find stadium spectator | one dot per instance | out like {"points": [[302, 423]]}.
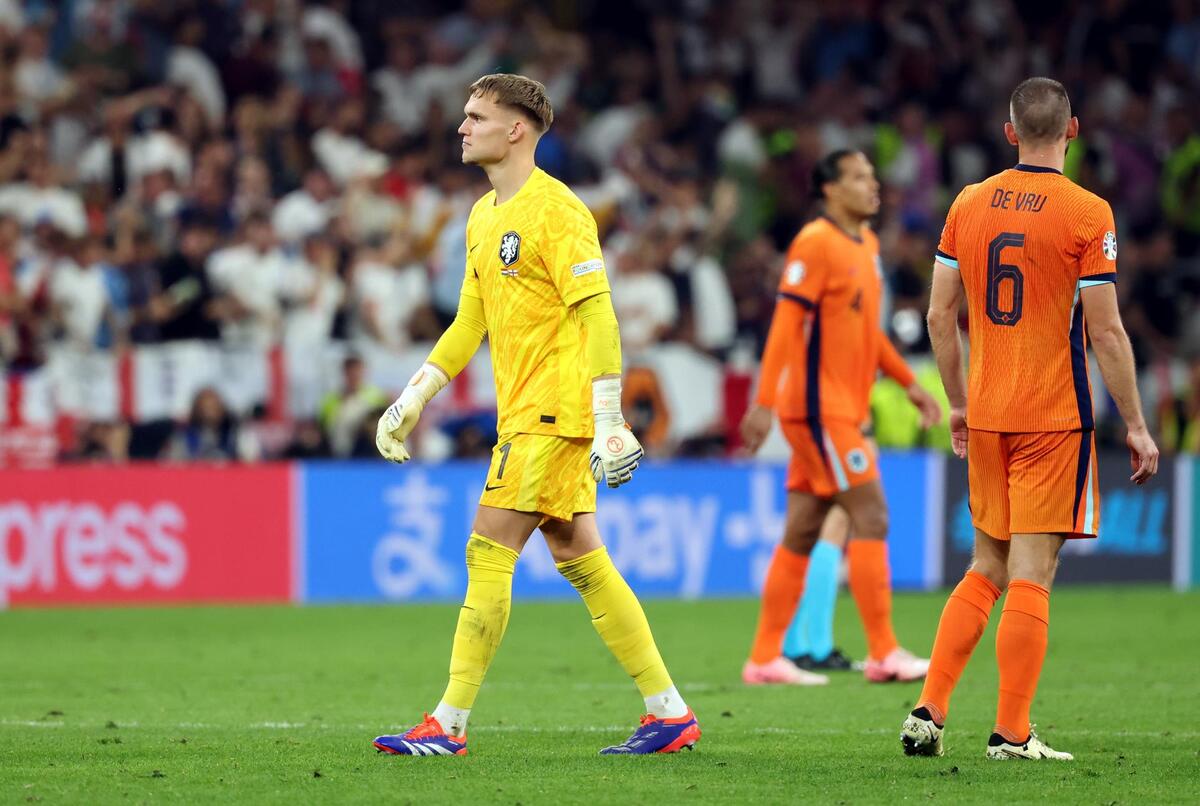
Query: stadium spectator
{"points": [[183, 305], [391, 296], [248, 278], [690, 137], [306, 210], [212, 433], [643, 297]]}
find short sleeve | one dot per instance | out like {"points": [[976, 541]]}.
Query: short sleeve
{"points": [[804, 274], [947, 250], [1098, 256], [569, 247]]}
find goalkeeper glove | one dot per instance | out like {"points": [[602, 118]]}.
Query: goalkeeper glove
{"points": [[401, 417], [615, 450]]}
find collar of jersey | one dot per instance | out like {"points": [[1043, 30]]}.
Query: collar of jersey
{"points": [[1035, 169], [834, 224], [520, 190]]}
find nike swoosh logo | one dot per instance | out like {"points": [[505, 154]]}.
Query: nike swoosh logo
{"points": [[472, 249], [487, 488]]}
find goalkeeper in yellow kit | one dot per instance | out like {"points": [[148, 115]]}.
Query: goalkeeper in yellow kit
{"points": [[536, 285]]}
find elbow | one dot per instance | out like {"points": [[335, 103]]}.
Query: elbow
{"points": [[1107, 338], [941, 321]]}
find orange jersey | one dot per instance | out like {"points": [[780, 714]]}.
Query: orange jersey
{"points": [[1025, 242], [826, 346]]}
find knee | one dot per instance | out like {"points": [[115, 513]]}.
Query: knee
{"points": [[992, 570], [871, 523], [1039, 570], [800, 540]]}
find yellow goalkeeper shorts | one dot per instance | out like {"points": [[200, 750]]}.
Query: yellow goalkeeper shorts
{"points": [[539, 473]]}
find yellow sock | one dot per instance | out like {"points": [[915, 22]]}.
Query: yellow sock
{"points": [[619, 618], [482, 620]]}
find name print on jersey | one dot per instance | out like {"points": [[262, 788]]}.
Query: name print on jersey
{"points": [[1021, 202]]}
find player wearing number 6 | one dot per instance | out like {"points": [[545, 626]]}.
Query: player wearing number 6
{"points": [[535, 283], [1035, 257]]}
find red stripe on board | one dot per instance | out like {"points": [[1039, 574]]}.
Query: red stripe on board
{"points": [[16, 395], [125, 394], [277, 389]]}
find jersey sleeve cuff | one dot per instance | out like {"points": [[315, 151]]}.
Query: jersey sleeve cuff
{"points": [[1097, 279], [946, 260], [807, 303]]}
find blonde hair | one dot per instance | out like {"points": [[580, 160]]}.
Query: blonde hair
{"points": [[523, 94]]}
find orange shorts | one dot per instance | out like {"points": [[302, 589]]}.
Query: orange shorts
{"points": [[828, 457], [1034, 483]]}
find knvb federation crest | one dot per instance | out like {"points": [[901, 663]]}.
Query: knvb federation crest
{"points": [[510, 248]]}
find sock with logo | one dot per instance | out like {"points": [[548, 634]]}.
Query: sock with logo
{"points": [[1021, 639], [871, 586], [618, 617], [964, 618], [781, 592], [481, 624]]}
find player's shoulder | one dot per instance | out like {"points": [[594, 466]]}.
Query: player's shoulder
{"points": [[1087, 203], [813, 236], [553, 191], [977, 190]]}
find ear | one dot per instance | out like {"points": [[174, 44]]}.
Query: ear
{"points": [[1010, 134], [1072, 128], [516, 130]]}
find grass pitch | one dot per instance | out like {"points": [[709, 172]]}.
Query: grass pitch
{"points": [[279, 705]]}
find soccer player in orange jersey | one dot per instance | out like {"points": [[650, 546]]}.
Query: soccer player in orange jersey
{"points": [[1035, 257], [822, 355]]}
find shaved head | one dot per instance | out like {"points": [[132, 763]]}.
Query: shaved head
{"points": [[1040, 110]]}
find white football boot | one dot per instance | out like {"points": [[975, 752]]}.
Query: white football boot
{"points": [[1000, 749]]}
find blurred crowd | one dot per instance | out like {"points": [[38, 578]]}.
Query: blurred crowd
{"points": [[251, 173]]}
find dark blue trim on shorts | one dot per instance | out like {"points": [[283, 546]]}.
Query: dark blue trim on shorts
{"points": [[1081, 472], [812, 389]]}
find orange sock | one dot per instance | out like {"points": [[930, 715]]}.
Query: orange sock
{"points": [[871, 586], [781, 592], [963, 620], [1021, 641]]}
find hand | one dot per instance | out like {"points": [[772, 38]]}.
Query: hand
{"points": [[1143, 455], [958, 432], [755, 427], [931, 410], [401, 417], [394, 427], [616, 453]]}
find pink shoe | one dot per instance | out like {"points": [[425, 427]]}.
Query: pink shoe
{"points": [[780, 671], [900, 665]]}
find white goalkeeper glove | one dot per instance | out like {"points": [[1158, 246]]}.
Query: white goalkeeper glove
{"points": [[401, 417], [615, 450]]}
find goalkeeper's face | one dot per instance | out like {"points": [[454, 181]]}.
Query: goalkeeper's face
{"points": [[488, 131]]}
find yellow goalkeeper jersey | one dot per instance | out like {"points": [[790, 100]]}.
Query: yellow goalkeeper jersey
{"points": [[530, 260]]}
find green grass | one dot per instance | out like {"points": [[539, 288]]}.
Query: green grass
{"points": [[278, 705]]}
